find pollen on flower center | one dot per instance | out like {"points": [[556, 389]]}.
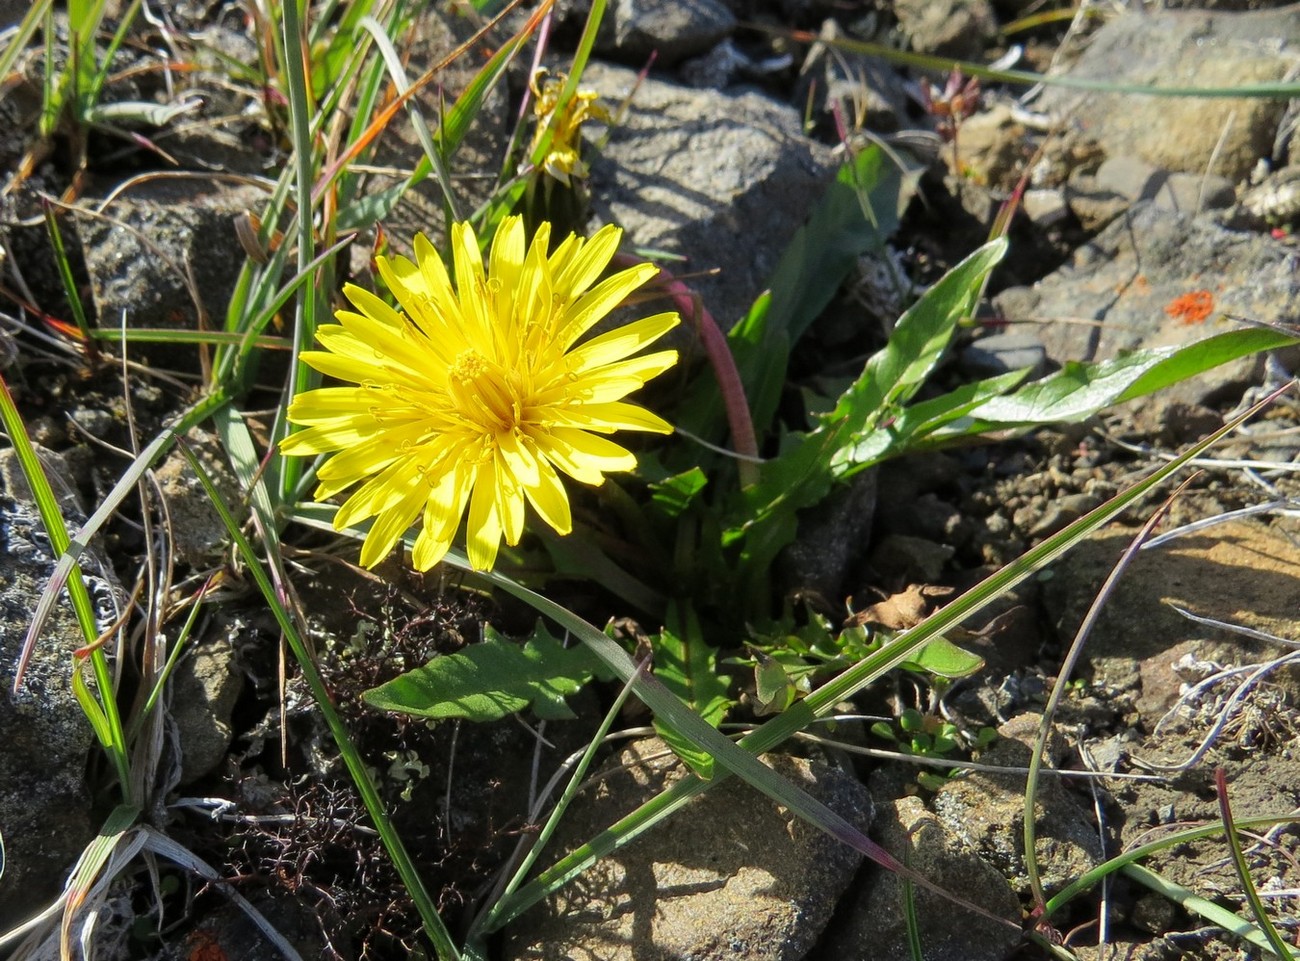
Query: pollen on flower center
{"points": [[482, 395], [468, 367]]}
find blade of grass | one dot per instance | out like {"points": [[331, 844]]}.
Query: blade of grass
{"points": [[108, 725], [1276, 91], [1248, 888], [397, 74], [23, 34], [69, 284], [300, 131], [1092, 878], [433, 924], [67, 562], [1061, 685], [1190, 901]]}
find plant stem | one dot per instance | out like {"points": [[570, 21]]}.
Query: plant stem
{"points": [[724, 368]]}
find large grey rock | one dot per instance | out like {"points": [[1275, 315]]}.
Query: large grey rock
{"points": [[723, 179], [1180, 49], [875, 928], [44, 800], [731, 876], [671, 30], [1123, 290], [987, 812], [953, 28], [156, 240], [204, 689]]}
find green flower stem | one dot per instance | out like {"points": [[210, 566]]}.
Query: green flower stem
{"points": [[433, 924], [739, 417]]}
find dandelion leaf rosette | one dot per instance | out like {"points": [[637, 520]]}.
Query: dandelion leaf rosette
{"points": [[477, 392]]}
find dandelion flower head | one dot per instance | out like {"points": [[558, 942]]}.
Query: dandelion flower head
{"points": [[477, 394], [562, 159]]}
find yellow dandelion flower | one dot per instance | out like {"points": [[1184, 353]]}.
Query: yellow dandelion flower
{"points": [[477, 392], [562, 159]]}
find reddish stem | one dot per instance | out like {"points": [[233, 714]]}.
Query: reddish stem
{"points": [[689, 305]]}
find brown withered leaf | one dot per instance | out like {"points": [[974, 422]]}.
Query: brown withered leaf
{"points": [[905, 609]]}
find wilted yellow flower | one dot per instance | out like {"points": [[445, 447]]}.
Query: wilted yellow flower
{"points": [[562, 159], [475, 395]]}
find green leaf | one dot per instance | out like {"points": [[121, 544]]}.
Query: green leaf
{"points": [[772, 688], [858, 213], [946, 659], [487, 681], [687, 665], [801, 475], [918, 421], [1079, 390], [673, 495]]}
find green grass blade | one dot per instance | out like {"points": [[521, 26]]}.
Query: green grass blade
{"points": [[1194, 903], [1174, 839], [432, 151], [23, 34], [106, 720], [67, 563], [1278, 946], [1275, 91], [433, 924]]}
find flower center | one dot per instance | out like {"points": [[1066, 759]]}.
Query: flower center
{"points": [[468, 367], [482, 394]]}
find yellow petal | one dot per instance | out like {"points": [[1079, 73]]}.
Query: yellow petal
{"points": [[483, 530], [599, 301], [585, 457], [617, 344], [372, 306], [390, 525], [550, 499], [586, 265], [507, 255], [610, 417]]}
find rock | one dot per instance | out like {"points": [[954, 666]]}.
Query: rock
{"points": [[1183, 48], [733, 876], [1045, 206], [875, 929], [986, 811], [671, 30], [868, 92], [1237, 572], [149, 242], [902, 559], [45, 803], [1001, 353], [950, 28], [1154, 279], [832, 536], [1192, 194], [1122, 181], [198, 535], [724, 179], [205, 686], [990, 150]]}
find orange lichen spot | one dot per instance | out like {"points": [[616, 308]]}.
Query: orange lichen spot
{"points": [[203, 945], [1191, 308]]}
